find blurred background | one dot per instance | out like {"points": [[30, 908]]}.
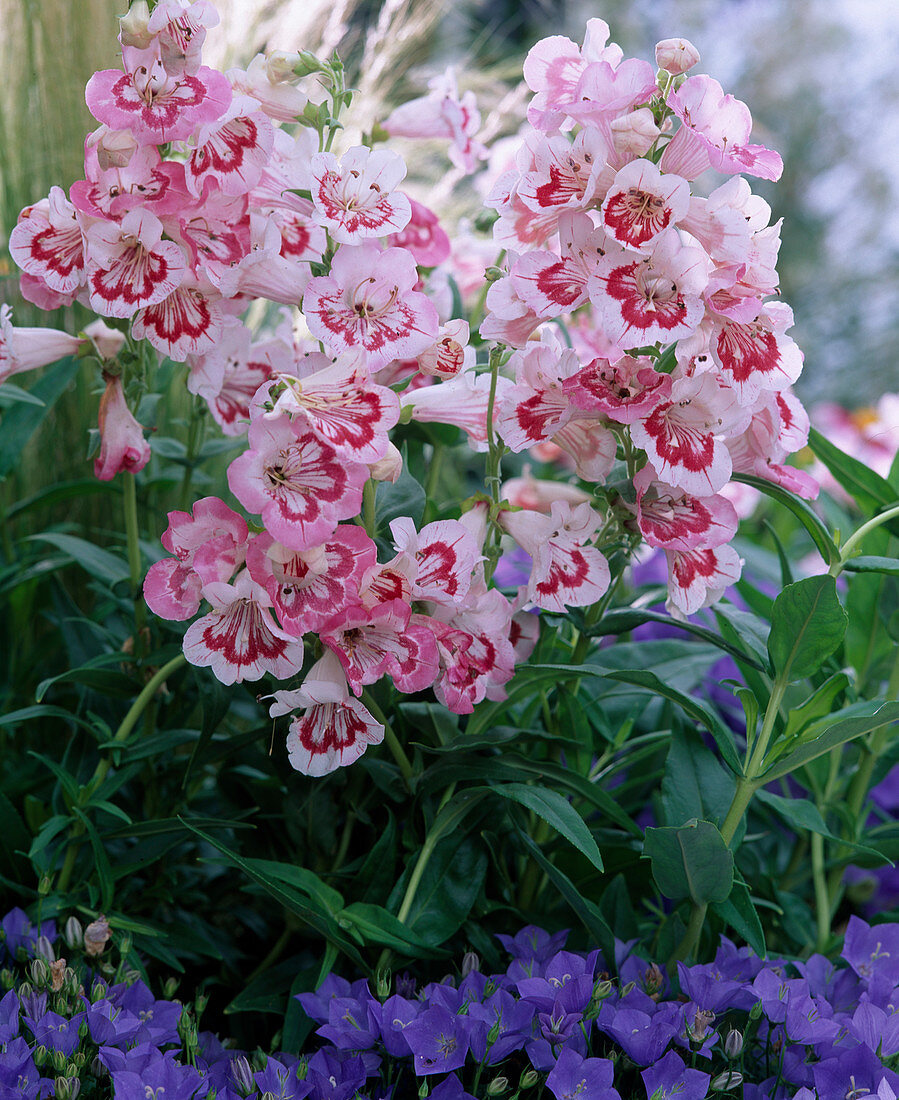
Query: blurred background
{"points": [[820, 77]]}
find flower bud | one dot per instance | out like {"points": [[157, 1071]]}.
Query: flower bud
{"points": [[730, 1079], [39, 972], [73, 933], [7, 978], [98, 991], [424, 1089], [629, 988], [676, 55], [268, 1096], [756, 1011], [634, 133], [58, 1061], [44, 886], [242, 1076], [653, 980], [39, 1054], [112, 148], [66, 1088], [528, 1079], [470, 963], [107, 343], [390, 467], [43, 949], [77, 1061], [306, 63], [498, 1086], [733, 1044], [96, 936], [383, 981], [134, 27], [200, 1003], [170, 988], [493, 273]]}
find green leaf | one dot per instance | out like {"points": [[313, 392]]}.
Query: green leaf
{"points": [[16, 841], [623, 620], [867, 488], [12, 395], [821, 537], [556, 811], [722, 734], [99, 563], [739, 912], [319, 919], [873, 564], [588, 913], [448, 889], [376, 925], [690, 861], [695, 784], [803, 815], [403, 497], [109, 681], [22, 421], [838, 733], [807, 625], [303, 879], [818, 705]]}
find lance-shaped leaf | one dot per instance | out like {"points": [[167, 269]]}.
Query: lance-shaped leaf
{"points": [[807, 625]]}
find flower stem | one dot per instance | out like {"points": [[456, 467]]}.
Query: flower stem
{"points": [[132, 534], [390, 738], [492, 473], [848, 547], [102, 769], [369, 520]]}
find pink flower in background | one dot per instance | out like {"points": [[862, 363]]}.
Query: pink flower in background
{"points": [[422, 236], [442, 114], [356, 198], [122, 443], [23, 349]]}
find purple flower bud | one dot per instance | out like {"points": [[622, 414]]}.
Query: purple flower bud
{"points": [[242, 1076], [733, 1044], [43, 949], [470, 963]]}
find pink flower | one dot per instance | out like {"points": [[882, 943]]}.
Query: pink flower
{"points": [[122, 175], [179, 27], [208, 545], [339, 403], [422, 236], [550, 284], [299, 485], [714, 133], [566, 571], [232, 151], [23, 349], [674, 520], [684, 436], [238, 639], [356, 198], [280, 100], [538, 494], [309, 587], [186, 322], [334, 730], [442, 114], [122, 443], [676, 55], [47, 243], [130, 266], [563, 174], [758, 355], [462, 401], [155, 106], [535, 406], [641, 203], [369, 301], [656, 297], [445, 554], [698, 578], [626, 391], [387, 639]]}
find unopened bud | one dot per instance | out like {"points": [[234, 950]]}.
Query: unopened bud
{"points": [[676, 55], [280, 66], [653, 980], [493, 273], [39, 1054], [733, 1044], [107, 343], [114, 148], [424, 1089], [470, 963], [96, 936], [58, 1061], [498, 1086], [200, 1003], [7, 978], [383, 981], [242, 1076], [528, 1079], [66, 1088], [629, 988], [45, 885], [634, 133], [389, 467], [134, 27], [77, 1063], [73, 932], [170, 988], [39, 972], [98, 991], [730, 1079], [268, 1096], [43, 949], [306, 63], [302, 1069], [756, 1011]]}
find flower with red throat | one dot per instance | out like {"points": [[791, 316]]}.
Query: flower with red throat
{"points": [[122, 443], [48, 244], [357, 198]]}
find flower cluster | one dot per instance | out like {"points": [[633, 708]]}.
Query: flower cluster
{"points": [[681, 360], [766, 1027]]}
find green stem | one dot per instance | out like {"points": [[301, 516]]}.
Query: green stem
{"points": [[822, 894], [530, 880], [132, 534], [434, 470], [493, 467], [390, 738], [102, 769], [848, 547], [369, 520], [746, 788], [687, 945], [194, 440], [757, 758]]}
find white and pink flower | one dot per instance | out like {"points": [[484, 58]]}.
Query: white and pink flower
{"points": [[356, 198]]}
